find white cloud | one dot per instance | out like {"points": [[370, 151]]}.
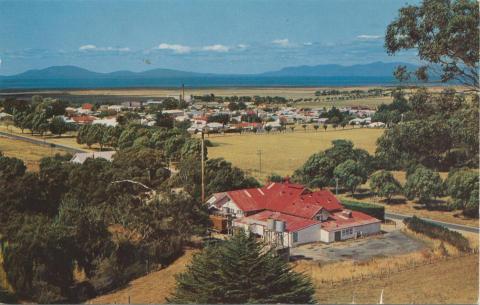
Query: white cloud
{"points": [[92, 47], [176, 48], [216, 48], [369, 36], [281, 42], [87, 47]]}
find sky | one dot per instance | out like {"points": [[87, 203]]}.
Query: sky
{"points": [[227, 36]]}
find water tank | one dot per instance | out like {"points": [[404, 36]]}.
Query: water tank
{"points": [[280, 226], [270, 224]]}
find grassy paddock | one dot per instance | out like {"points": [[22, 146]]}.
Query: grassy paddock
{"points": [[28, 152], [69, 139], [282, 153], [453, 281]]}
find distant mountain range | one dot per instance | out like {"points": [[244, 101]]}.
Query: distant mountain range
{"points": [[377, 73], [376, 69]]}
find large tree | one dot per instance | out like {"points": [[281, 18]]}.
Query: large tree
{"points": [[384, 184], [317, 171], [423, 184], [462, 186], [351, 174], [241, 271], [445, 33]]}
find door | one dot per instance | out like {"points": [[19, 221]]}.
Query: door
{"points": [[338, 235]]}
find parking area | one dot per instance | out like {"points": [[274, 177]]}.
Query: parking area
{"points": [[390, 243]]}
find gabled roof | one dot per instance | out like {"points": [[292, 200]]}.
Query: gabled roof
{"points": [[292, 223], [338, 221], [287, 198], [247, 200]]}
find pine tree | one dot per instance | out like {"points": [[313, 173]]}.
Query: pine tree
{"points": [[241, 270]]}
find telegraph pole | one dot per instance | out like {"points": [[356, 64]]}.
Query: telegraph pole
{"points": [[259, 153], [183, 92], [203, 166], [336, 186]]}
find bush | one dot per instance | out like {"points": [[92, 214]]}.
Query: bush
{"points": [[373, 210], [435, 231]]}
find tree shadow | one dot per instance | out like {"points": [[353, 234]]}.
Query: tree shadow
{"points": [[394, 201]]}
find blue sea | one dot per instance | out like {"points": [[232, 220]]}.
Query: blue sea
{"points": [[195, 82]]}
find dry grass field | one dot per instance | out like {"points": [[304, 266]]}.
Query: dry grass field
{"points": [[446, 282], [28, 152], [68, 139], [152, 288], [282, 153]]}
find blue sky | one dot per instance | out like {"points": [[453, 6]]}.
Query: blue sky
{"points": [[228, 36]]}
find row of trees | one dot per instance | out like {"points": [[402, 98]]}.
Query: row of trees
{"points": [[174, 143], [39, 115]]}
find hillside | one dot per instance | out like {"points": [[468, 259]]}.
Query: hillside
{"points": [[443, 282], [374, 69], [152, 288]]}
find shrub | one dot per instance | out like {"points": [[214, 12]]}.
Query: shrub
{"points": [[373, 210], [435, 231]]}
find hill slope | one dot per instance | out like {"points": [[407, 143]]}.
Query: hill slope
{"points": [[372, 69], [376, 69], [152, 288]]}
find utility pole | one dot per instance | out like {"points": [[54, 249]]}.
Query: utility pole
{"points": [[336, 186], [203, 166], [259, 154], [183, 92]]}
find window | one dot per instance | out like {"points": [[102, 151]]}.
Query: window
{"points": [[295, 237], [348, 231]]}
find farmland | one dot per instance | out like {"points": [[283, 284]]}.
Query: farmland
{"points": [[444, 282], [28, 152], [68, 139], [282, 153]]}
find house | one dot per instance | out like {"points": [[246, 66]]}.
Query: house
{"points": [[289, 214], [5, 116], [112, 121], [83, 119], [377, 125], [82, 157], [174, 112]]}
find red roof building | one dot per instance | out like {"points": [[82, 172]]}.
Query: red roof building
{"points": [[87, 106], [83, 119], [307, 216]]}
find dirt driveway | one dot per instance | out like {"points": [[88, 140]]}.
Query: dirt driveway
{"points": [[391, 243]]}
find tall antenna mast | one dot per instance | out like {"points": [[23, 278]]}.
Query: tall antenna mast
{"points": [[183, 92]]}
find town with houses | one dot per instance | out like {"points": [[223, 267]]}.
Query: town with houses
{"points": [[254, 118]]}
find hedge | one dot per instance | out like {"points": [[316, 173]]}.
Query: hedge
{"points": [[438, 232], [374, 210]]}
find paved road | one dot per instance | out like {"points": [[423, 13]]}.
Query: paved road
{"points": [[41, 142], [449, 225]]}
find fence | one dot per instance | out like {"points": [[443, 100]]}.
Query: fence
{"points": [[383, 274]]}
